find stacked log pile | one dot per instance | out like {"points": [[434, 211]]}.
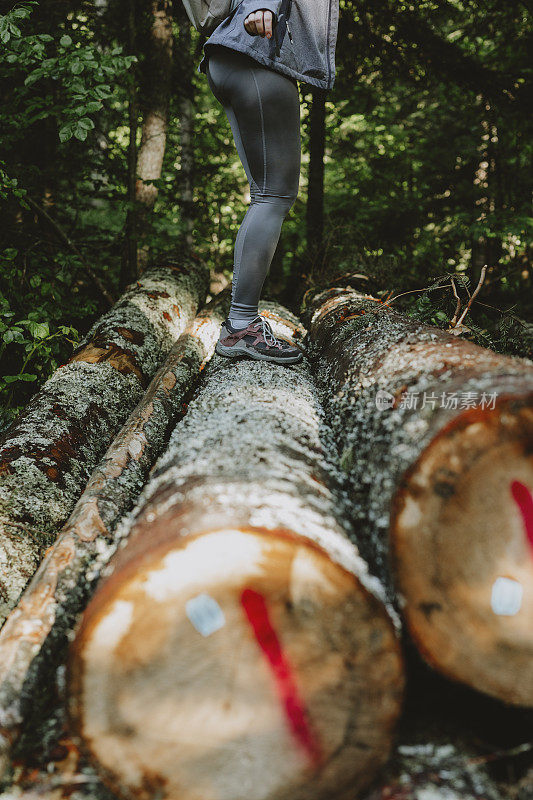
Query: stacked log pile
{"points": [[33, 637], [238, 647], [48, 454], [435, 436], [235, 643]]}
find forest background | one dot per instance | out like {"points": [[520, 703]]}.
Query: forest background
{"points": [[416, 168]]}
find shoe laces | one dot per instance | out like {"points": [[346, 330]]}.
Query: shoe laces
{"points": [[268, 333]]}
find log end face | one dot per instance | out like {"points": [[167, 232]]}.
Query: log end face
{"points": [[236, 664], [462, 534]]}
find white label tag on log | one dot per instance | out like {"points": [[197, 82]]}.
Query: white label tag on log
{"points": [[506, 598], [205, 614]]}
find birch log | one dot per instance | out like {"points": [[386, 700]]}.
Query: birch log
{"points": [[435, 435], [48, 454], [33, 637], [238, 649]]}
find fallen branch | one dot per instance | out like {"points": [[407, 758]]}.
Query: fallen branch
{"points": [[456, 323]]}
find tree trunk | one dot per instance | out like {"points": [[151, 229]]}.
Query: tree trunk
{"points": [[187, 113], [35, 632], [238, 647], [48, 454], [486, 250], [186, 174], [435, 435], [155, 118], [315, 191], [128, 270]]}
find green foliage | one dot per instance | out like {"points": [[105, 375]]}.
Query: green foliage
{"points": [[9, 188], [33, 340], [427, 167], [429, 156], [73, 77], [55, 84]]}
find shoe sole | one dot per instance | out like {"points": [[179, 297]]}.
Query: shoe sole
{"points": [[233, 352]]}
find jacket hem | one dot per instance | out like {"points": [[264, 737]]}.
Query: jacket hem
{"points": [[266, 62]]}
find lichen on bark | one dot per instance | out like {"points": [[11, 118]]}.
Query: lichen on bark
{"points": [[258, 431], [48, 453], [358, 347]]}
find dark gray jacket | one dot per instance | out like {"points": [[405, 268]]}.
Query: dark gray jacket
{"points": [[302, 44]]}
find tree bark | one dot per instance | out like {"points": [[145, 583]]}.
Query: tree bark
{"points": [[315, 191], [185, 178], [48, 454], [155, 118], [486, 250], [128, 270], [186, 175], [435, 436], [238, 647], [33, 638]]}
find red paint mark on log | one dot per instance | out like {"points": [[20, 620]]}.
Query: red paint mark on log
{"points": [[256, 611], [176, 310], [167, 316], [524, 500]]}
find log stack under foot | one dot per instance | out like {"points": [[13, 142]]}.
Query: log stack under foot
{"points": [[237, 647]]}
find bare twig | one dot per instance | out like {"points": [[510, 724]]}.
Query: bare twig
{"points": [[515, 751], [472, 298], [453, 322], [66, 240], [425, 289]]}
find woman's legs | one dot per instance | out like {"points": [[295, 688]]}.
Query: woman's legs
{"points": [[263, 109]]}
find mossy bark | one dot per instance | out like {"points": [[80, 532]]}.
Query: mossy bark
{"points": [[48, 454], [435, 437], [247, 495], [33, 638]]}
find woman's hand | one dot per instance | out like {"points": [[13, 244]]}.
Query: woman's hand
{"points": [[259, 23]]}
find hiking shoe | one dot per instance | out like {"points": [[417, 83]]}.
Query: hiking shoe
{"points": [[257, 341]]}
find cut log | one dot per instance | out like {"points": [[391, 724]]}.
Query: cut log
{"points": [[435, 436], [33, 637], [48, 454], [238, 647]]}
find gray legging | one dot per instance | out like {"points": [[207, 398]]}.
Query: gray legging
{"points": [[263, 109]]}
